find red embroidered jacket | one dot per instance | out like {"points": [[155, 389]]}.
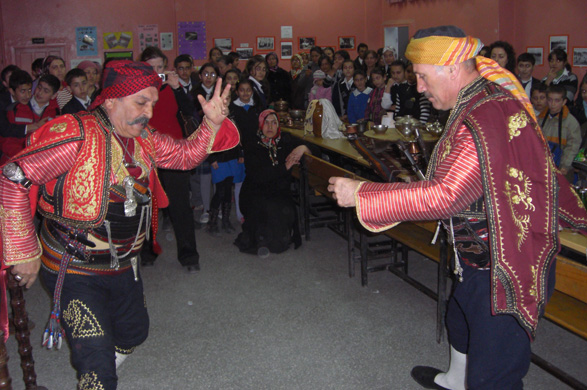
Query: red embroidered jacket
{"points": [[75, 163]]}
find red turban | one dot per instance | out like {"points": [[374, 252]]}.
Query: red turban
{"points": [[124, 78]]}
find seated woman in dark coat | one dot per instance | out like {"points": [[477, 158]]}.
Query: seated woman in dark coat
{"points": [[266, 200]]}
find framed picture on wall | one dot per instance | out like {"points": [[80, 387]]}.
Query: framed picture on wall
{"points": [[346, 43], [306, 43], [265, 43], [538, 53], [579, 56], [224, 44], [559, 42], [244, 53], [286, 50]]}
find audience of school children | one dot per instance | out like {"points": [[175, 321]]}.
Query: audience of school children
{"points": [[560, 74], [77, 83], [525, 68], [93, 71], [374, 83]]}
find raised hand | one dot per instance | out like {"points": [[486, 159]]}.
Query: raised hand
{"points": [[216, 109]]}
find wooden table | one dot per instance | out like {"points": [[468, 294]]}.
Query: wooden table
{"points": [[340, 146]]}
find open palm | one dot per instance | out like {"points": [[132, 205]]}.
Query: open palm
{"points": [[216, 109]]}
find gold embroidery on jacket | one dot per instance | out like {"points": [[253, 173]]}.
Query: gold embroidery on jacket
{"points": [[81, 320], [58, 127], [80, 199], [517, 122], [518, 193], [89, 381], [120, 171], [12, 225], [534, 289], [447, 148]]}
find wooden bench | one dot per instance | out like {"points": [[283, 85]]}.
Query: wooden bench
{"points": [[568, 305]]}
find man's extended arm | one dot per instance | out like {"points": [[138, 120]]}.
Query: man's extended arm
{"points": [[455, 185]]}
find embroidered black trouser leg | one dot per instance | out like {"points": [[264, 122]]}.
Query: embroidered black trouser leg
{"points": [[100, 315]]}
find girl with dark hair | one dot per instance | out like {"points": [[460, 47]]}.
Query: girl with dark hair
{"points": [[370, 65], [503, 53], [56, 66], [215, 55], [256, 70], [374, 109], [560, 74], [208, 75]]}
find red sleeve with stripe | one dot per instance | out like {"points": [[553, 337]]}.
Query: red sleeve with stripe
{"points": [[455, 185]]}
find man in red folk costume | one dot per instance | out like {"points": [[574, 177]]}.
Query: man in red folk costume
{"points": [[93, 178], [492, 183]]}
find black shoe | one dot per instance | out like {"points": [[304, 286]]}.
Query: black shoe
{"points": [[425, 375], [192, 268]]}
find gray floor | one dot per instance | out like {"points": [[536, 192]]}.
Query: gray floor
{"points": [[290, 321]]}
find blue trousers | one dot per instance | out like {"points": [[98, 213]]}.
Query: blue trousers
{"points": [[498, 348]]}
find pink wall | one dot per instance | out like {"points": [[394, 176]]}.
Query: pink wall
{"points": [[564, 17], [522, 22], [476, 17], [224, 18]]}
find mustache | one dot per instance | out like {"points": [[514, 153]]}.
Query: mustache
{"points": [[141, 120]]}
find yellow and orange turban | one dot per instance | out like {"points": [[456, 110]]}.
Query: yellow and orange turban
{"points": [[446, 50]]}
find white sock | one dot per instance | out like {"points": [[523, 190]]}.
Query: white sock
{"points": [[119, 358], [455, 377]]}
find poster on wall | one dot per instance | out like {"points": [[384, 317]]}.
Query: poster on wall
{"points": [[86, 39], [118, 40], [538, 53], [266, 43], [286, 50], [244, 53], [148, 35], [191, 38], [287, 32], [166, 41], [579, 56], [559, 42], [224, 44], [306, 43], [346, 43]]}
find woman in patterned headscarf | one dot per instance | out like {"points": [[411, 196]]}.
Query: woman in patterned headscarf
{"points": [[266, 200]]}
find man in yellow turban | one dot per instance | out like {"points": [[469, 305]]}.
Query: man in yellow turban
{"points": [[498, 204]]}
